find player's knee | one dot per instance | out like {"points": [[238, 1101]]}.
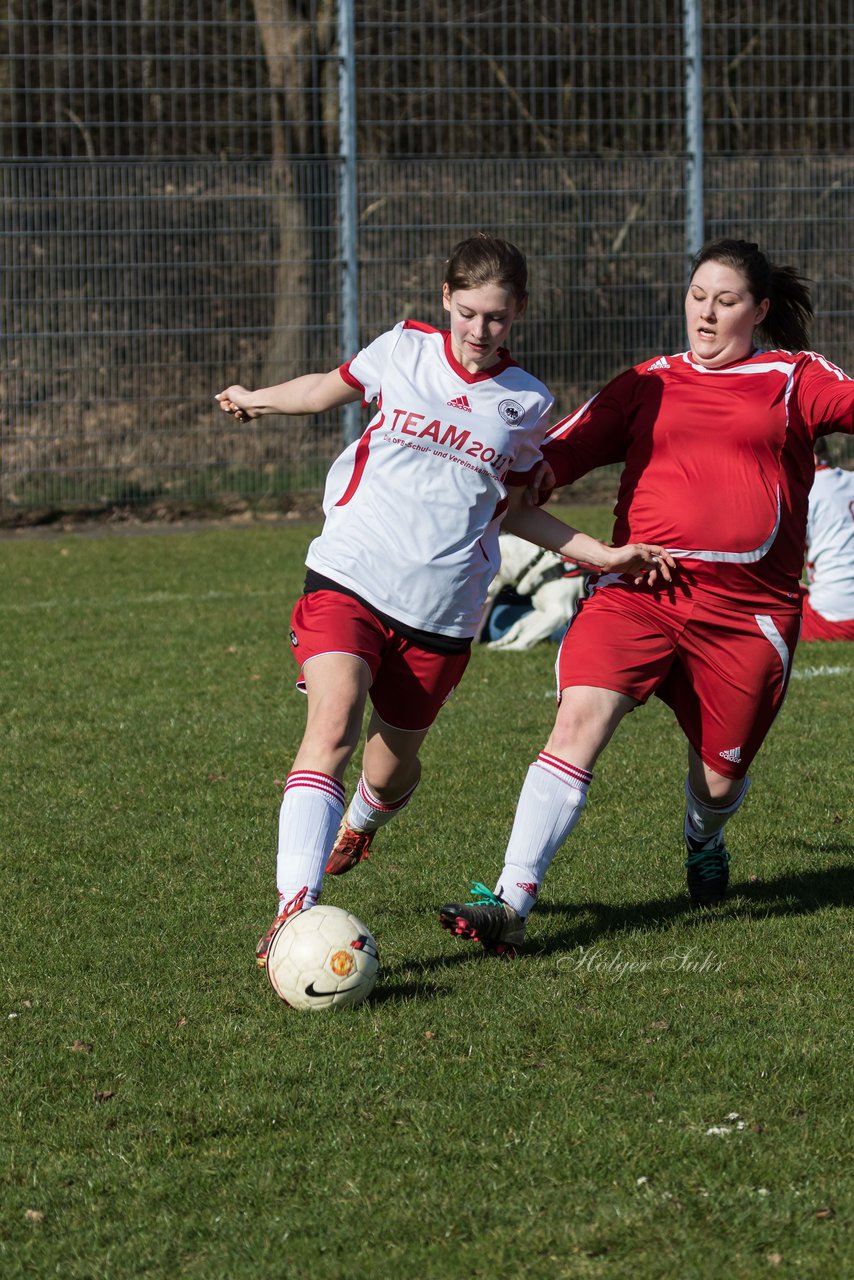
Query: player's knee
{"points": [[716, 789], [334, 736], [586, 719], [573, 731]]}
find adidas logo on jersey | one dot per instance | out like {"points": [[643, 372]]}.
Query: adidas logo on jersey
{"points": [[734, 754], [659, 364], [461, 402]]}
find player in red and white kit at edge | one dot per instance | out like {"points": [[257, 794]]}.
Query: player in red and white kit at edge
{"points": [[717, 447], [398, 577], [829, 599]]}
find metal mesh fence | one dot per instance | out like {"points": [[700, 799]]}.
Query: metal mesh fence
{"points": [[172, 193]]}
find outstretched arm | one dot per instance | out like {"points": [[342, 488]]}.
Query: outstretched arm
{"points": [[541, 528], [310, 393]]}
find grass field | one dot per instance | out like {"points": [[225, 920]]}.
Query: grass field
{"points": [[648, 1093]]}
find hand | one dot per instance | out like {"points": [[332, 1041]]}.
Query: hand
{"points": [[644, 561], [235, 400], [540, 485]]}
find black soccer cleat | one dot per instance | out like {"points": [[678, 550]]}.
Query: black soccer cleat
{"points": [[496, 926], [707, 866]]}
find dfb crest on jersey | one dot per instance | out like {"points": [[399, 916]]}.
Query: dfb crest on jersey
{"points": [[511, 411]]}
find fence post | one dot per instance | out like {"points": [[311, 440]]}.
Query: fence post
{"points": [[693, 45], [348, 249]]}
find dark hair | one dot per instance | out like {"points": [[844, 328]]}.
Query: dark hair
{"points": [[484, 259], [787, 324]]}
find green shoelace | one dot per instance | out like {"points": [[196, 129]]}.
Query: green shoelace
{"points": [[708, 863], [483, 897]]}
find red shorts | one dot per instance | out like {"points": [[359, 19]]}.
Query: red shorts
{"points": [[723, 673], [409, 684], [815, 627]]}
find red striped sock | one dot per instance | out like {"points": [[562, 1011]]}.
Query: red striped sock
{"points": [[308, 822], [551, 802], [368, 813]]}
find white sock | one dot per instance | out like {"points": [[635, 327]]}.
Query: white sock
{"points": [[367, 813], [553, 796], [308, 823], [702, 821]]}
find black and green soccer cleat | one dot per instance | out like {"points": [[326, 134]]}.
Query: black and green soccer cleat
{"points": [[707, 866], [496, 926]]}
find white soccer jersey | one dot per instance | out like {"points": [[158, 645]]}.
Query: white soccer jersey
{"points": [[830, 543], [413, 508]]}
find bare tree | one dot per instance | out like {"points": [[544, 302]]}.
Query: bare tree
{"points": [[298, 38]]}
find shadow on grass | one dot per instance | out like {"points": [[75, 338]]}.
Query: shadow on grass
{"points": [[404, 992], [418, 988], [792, 893]]}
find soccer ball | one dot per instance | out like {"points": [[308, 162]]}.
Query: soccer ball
{"points": [[323, 958]]}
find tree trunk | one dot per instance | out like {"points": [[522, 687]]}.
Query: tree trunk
{"points": [[297, 38]]}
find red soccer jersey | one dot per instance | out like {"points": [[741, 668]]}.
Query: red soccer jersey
{"points": [[718, 463]]}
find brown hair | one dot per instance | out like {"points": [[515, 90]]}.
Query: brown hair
{"points": [[485, 259], [787, 324]]}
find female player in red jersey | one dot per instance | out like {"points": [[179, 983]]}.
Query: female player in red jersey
{"points": [[398, 577], [717, 452]]}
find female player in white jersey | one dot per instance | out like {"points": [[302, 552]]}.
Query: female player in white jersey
{"points": [[398, 577], [717, 447], [828, 602]]}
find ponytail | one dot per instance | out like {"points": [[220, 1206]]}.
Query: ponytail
{"points": [[790, 315]]}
